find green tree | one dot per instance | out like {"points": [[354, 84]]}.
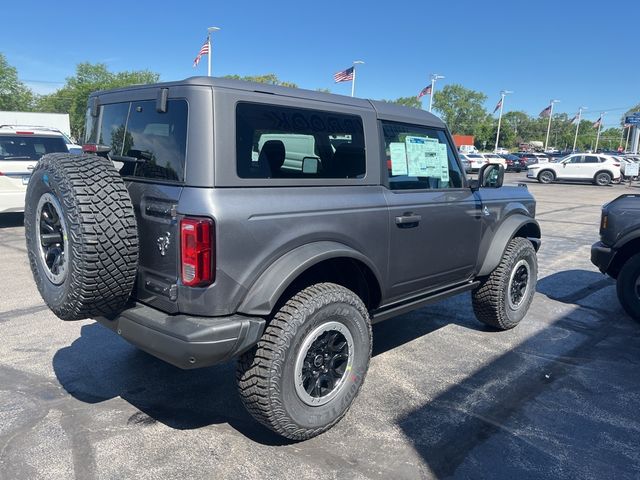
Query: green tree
{"points": [[461, 108], [14, 95], [269, 78], [413, 102], [73, 96]]}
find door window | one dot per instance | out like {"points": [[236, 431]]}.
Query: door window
{"points": [[419, 157]]}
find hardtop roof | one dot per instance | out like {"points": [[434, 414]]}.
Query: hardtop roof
{"points": [[384, 110]]}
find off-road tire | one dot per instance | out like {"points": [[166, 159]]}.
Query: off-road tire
{"points": [[491, 303], [101, 235], [546, 176], [626, 286], [602, 179], [266, 374]]}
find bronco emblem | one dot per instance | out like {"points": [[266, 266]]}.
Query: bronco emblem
{"points": [[163, 243]]}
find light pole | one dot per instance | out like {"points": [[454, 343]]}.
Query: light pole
{"points": [[434, 77], [353, 81], [210, 30], [546, 142], [595, 150], [502, 95], [575, 139]]}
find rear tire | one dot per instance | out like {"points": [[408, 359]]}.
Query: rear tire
{"points": [[310, 363], [602, 179], [628, 286], [81, 233], [546, 176], [504, 297]]}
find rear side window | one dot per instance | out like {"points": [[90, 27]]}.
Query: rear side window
{"points": [[137, 130], [419, 158], [591, 159], [282, 142], [32, 147]]}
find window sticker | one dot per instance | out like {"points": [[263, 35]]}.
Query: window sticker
{"points": [[421, 156], [398, 153], [443, 161]]}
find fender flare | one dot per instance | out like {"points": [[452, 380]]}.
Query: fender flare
{"points": [[627, 237], [271, 284], [506, 231]]}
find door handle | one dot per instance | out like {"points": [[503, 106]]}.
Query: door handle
{"points": [[408, 220]]}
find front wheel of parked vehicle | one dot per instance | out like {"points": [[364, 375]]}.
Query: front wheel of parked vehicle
{"points": [[602, 179], [310, 363], [546, 176], [628, 286], [504, 297]]}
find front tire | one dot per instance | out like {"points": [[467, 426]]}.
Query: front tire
{"points": [[628, 286], [504, 297], [546, 176], [310, 363]]}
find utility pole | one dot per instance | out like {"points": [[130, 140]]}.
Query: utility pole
{"points": [[434, 77], [546, 142], [598, 134], [579, 117], [502, 95]]}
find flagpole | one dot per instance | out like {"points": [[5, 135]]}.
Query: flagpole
{"points": [[575, 139], [502, 95], [353, 80], [546, 142], [595, 150], [210, 30], [434, 77]]}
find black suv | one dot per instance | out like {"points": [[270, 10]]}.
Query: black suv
{"points": [[618, 251], [218, 219]]}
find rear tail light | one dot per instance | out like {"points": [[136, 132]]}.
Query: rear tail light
{"points": [[24, 133], [197, 252]]}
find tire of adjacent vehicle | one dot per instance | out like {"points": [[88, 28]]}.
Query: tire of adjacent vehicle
{"points": [[602, 179], [546, 176], [628, 286], [101, 238], [491, 300], [266, 375]]}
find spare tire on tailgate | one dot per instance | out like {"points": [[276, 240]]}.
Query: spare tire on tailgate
{"points": [[81, 235]]}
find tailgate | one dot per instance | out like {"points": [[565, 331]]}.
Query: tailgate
{"points": [[158, 232]]}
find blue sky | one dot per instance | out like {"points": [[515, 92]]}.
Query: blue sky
{"points": [[581, 52]]}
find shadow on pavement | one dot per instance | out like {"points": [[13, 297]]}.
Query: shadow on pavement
{"points": [[561, 404], [9, 220], [99, 366]]}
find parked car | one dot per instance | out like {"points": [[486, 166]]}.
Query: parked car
{"points": [[465, 161], [203, 254], [477, 161], [599, 169], [20, 150], [530, 158], [618, 252], [72, 145], [495, 158], [514, 163]]}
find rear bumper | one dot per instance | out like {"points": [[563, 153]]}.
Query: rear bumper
{"points": [[601, 256], [184, 341]]}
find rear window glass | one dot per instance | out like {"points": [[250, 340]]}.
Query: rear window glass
{"points": [[32, 147], [137, 130], [282, 142]]}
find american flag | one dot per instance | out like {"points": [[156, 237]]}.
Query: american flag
{"points": [[575, 117], [498, 105], [598, 122], [344, 75], [546, 112], [204, 50], [425, 91]]}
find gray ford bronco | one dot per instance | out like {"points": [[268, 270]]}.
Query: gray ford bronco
{"points": [[213, 219]]}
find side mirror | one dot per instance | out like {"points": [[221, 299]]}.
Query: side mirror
{"points": [[491, 175], [310, 165]]}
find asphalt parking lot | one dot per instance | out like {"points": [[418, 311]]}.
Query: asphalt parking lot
{"points": [[557, 397]]}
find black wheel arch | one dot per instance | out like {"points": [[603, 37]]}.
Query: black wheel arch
{"points": [[316, 262]]}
